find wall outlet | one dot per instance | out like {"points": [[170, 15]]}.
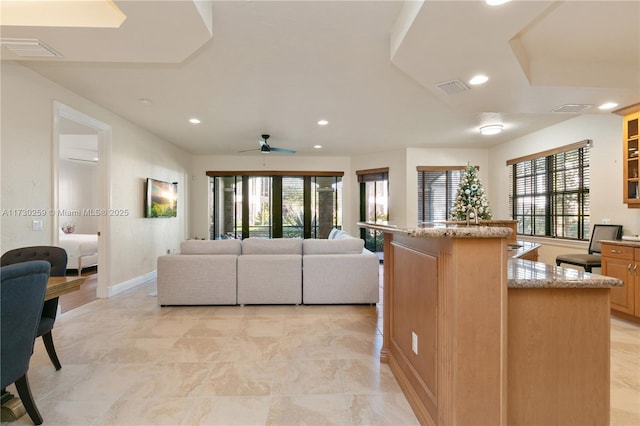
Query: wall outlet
{"points": [[414, 343], [606, 221], [36, 225]]}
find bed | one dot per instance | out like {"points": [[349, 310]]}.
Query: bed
{"points": [[82, 250]]}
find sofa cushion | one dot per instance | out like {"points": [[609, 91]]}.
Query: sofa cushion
{"points": [[211, 247], [339, 234], [343, 246], [272, 246]]}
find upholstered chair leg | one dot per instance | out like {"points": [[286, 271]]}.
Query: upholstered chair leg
{"points": [[24, 391], [47, 338]]}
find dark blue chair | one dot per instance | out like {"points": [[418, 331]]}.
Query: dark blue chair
{"points": [[57, 258], [22, 290]]}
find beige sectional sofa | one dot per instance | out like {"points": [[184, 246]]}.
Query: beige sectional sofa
{"points": [[269, 271]]}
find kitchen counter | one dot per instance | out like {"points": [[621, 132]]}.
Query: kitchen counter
{"points": [[520, 273], [528, 274], [539, 334], [626, 243]]}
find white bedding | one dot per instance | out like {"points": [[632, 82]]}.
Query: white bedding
{"points": [[79, 244]]}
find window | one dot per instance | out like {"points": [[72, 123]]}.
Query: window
{"points": [[276, 205], [437, 188], [549, 192], [374, 204]]}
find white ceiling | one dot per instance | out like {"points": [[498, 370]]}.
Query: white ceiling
{"points": [[369, 67]]}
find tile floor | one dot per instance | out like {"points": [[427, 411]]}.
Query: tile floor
{"points": [[127, 361]]}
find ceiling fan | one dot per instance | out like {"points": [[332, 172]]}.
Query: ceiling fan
{"points": [[265, 148]]}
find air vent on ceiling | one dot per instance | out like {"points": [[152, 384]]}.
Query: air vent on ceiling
{"points": [[572, 108], [29, 47], [452, 87]]}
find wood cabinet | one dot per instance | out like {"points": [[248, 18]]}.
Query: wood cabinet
{"points": [[631, 160], [623, 262]]}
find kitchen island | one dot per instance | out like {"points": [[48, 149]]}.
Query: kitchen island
{"points": [[475, 337]]}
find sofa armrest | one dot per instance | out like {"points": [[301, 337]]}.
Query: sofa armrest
{"points": [[341, 278], [197, 279]]}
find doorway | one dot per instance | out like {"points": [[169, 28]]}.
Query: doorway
{"points": [[81, 152]]}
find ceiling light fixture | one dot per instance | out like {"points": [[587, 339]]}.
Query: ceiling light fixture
{"points": [[491, 129], [323, 122], [478, 79], [608, 105], [317, 146], [87, 14], [194, 121], [496, 2], [145, 101]]}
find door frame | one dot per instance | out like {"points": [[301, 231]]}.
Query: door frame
{"points": [[103, 130]]}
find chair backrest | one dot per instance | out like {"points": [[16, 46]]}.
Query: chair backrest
{"points": [[603, 232], [22, 290], [56, 256]]}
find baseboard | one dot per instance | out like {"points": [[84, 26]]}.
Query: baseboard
{"points": [[134, 282]]}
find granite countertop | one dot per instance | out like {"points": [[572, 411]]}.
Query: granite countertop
{"points": [[627, 243], [520, 273], [528, 274], [444, 230], [521, 248]]}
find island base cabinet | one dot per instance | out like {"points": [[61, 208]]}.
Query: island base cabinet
{"points": [[558, 356]]}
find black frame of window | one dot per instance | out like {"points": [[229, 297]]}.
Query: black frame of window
{"points": [[559, 180], [311, 225]]}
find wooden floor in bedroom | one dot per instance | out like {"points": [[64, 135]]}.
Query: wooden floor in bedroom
{"points": [[86, 293]]}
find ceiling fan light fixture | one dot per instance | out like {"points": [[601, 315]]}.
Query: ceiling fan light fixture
{"points": [[491, 129]]}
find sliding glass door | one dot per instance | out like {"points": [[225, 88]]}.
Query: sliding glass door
{"points": [[274, 206]]}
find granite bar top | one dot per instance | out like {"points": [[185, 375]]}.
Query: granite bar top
{"points": [[520, 273], [529, 274], [443, 230]]}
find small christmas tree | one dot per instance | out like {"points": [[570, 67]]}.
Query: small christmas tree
{"points": [[470, 196]]}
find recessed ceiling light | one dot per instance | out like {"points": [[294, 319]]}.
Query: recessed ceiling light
{"points": [[323, 122], [491, 129], [145, 101], [608, 105], [317, 146], [478, 79], [194, 121], [496, 2]]}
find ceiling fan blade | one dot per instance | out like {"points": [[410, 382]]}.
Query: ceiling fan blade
{"points": [[283, 150], [249, 150]]}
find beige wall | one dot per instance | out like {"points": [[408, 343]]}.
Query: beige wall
{"points": [[26, 161]]}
